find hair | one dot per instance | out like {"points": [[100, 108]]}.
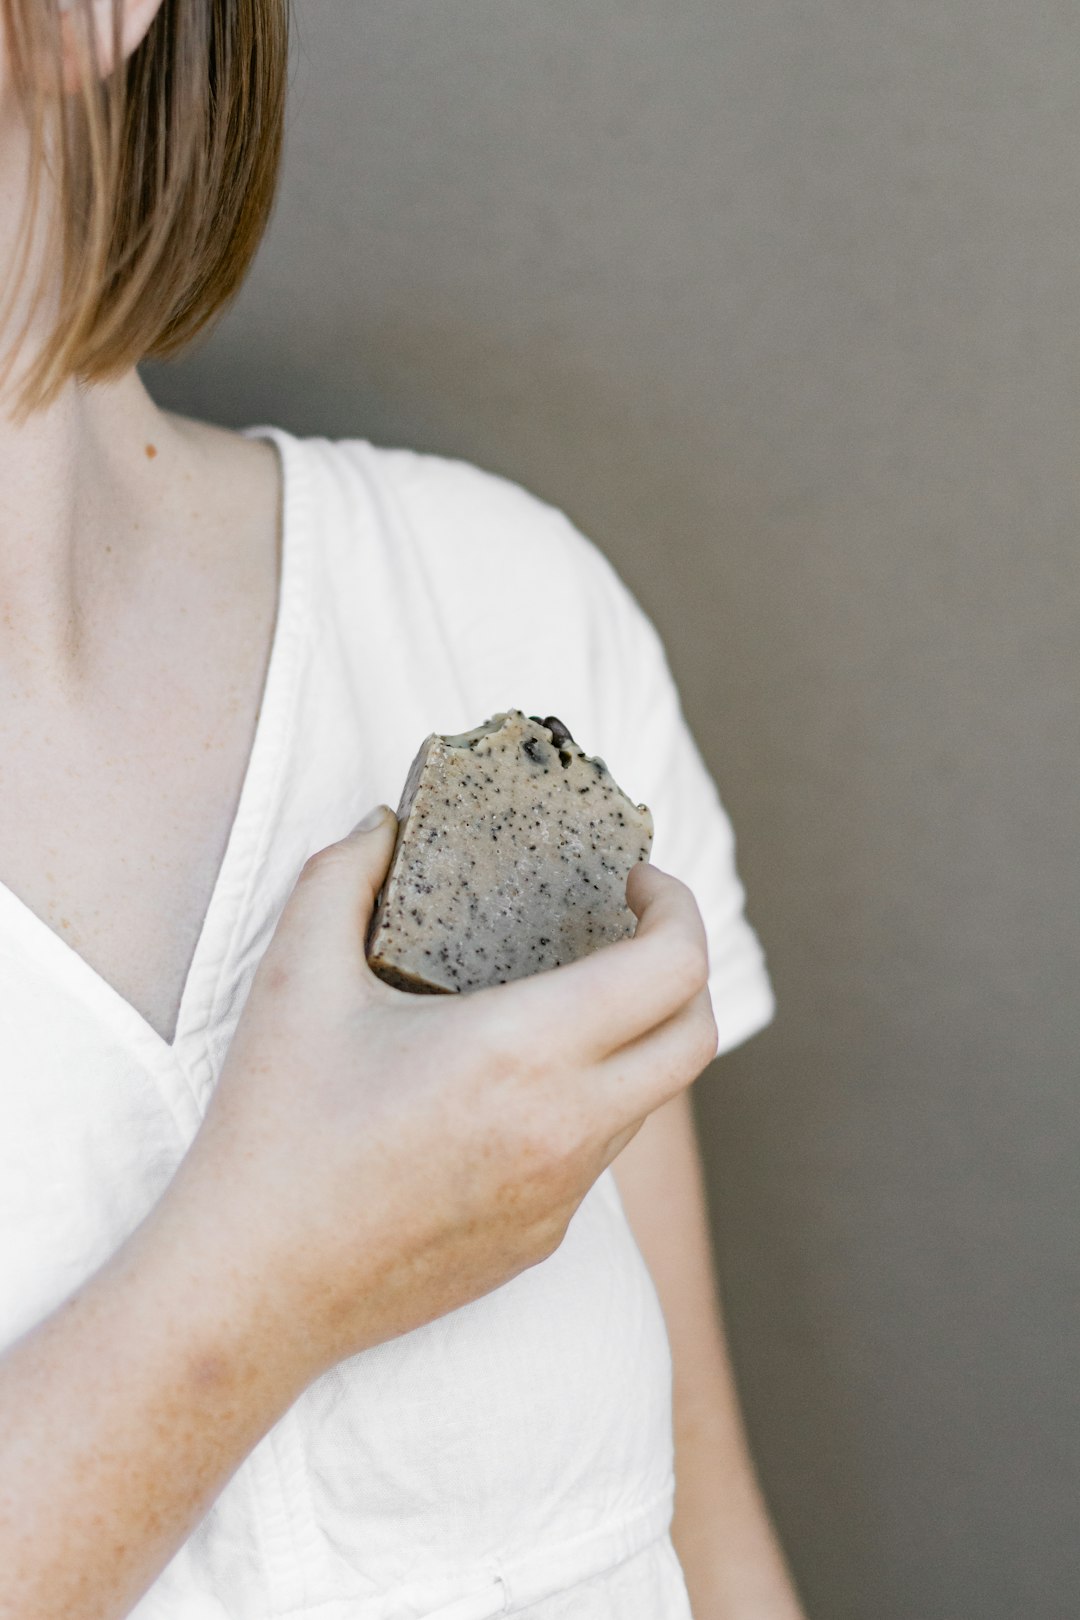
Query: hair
{"points": [[164, 173]]}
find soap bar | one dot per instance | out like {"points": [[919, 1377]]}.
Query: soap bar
{"points": [[512, 853]]}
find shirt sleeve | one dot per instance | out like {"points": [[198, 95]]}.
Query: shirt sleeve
{"points": [[653, 755]]}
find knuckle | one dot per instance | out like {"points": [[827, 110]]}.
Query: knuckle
{"points": [[688, 962], [681, 891], [548, 1232], [700, 1034], [316, 863], [552, 1235], [707, 1034]]}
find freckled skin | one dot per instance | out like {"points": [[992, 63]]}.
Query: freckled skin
{"points": [[547, 836]]}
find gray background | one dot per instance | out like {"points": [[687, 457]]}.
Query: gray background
{"points": [[781, 303]]}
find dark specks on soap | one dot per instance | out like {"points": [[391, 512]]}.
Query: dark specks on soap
{"points": [[490, 928]]}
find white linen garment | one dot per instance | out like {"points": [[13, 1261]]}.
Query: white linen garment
{"points": [[515, 1456]]}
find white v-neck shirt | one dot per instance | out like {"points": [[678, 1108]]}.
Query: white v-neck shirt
{"points": [[514, 1456]]}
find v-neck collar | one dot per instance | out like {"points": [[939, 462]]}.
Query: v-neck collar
{"points": [[205, 985]]}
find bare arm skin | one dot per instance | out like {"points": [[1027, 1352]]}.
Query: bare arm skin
{"points": [[369, 1161], [730, 1556], [124, 1414]]}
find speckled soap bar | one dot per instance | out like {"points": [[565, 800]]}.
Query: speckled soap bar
{"points": [[512, 854]]}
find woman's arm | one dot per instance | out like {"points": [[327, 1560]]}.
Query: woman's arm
{"points": [[124, 1413], [730, 1556], [369, 1161]]}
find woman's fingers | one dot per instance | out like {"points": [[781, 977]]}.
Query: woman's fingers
{"points": [[594, 1006], [655, 1067], [334, 896]]}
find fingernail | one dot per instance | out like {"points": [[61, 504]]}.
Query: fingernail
{"points": [[374, 818]]}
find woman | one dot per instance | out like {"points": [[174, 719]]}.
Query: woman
{"points": [[317, 1298]]}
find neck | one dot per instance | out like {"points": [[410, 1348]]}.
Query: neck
{"points": [[76, 483], [75, 478]]}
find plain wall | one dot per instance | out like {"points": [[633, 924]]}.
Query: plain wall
{"points": [[781, 303]]}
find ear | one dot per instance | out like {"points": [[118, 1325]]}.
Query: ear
{"points": [[135, 19]]}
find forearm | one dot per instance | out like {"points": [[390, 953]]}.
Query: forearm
{"points": [[123, 1414], [730, 1556], [734, 1567]]}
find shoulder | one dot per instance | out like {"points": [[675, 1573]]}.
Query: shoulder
{"points": [[497, 557], [500, 558], [460, 510], [462, 517], [503, 543]]}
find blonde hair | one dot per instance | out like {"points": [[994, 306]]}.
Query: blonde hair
{"points": [[164, 173]]}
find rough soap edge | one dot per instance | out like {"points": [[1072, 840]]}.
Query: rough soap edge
{"points": [[400, 980], [391, 975]]}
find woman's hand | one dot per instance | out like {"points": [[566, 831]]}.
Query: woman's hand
{"points": [[370, 1160], [380, 1157]]}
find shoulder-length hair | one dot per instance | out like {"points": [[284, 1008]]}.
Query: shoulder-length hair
{"points": [[163, 171]]}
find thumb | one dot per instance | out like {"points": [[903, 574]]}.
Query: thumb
{"points": [[332, 904]]}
